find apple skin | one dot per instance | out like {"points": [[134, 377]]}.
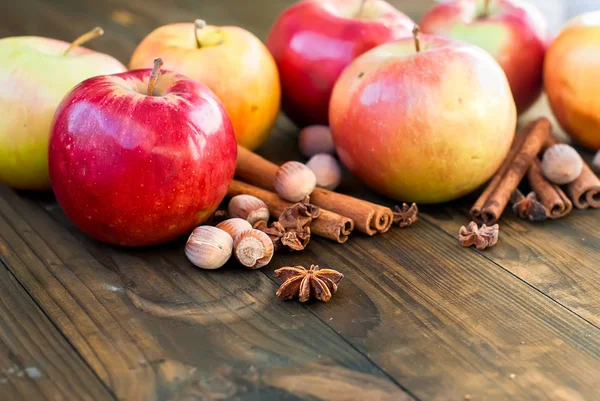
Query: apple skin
{"points": [[423, 127], [133, 170], [233, 63], [34, 77], [314, 40], [571, 79], [516, 34]]}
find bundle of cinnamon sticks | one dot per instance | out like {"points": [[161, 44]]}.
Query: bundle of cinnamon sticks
{"points": [[340, 214], [522, 161]]}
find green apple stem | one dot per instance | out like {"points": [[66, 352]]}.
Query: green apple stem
{"points": [[415, 33], [94, 33], [158, 63], [198, 25]]}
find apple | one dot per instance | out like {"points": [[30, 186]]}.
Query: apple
{"points": [[515, 33], [35, 74], [231, 61], [571, 79], [426, 121], [136, 159], [314, 40]]}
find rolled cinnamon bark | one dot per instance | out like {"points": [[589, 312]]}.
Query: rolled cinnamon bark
{"points": [[553, 198], [497, 178], [585, 190], [368, 217], [535, 136], [328, 225]]}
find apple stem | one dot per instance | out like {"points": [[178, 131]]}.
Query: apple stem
{"points": [[415, 33], [486, 8], [158, 63], [360, 8], [94, 33], [198, 25]]}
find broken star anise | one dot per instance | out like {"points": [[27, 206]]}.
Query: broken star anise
{"points": [[293, 226], [528, 207], [406, 215], [482, 238], [305, 284]]}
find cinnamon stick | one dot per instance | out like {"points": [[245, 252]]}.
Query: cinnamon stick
{"points": [[585, 190], [328, 225], [497, 178], [368, 217], [535, 136], [554, 200]]}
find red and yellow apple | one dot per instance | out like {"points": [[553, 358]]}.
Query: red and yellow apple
{"points": [[231, 61], [35, 74], [515, 33], [572, 79], [314, 40], [134, 166], [423, 126]]}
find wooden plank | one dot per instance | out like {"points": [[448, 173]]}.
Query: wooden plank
{"points": [[153, 327], [559, 258], [445, 322], [36, 362]]}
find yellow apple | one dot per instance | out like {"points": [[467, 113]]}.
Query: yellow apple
{"points": [[35, 74], [231, 61], [571, 79]]}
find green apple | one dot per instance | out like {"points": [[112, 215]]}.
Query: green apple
{"points": [[35, 74]]}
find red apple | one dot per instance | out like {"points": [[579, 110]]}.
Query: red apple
{"points": [[515, 33], [423, 126], [314, 40], [133, 163]]}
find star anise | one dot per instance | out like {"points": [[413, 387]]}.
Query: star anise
{"points": [[406, 215], [528, 207], [482, 238], [293, 226], [306, 284]]}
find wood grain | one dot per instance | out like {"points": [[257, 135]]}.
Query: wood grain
{"points": [[153, 327], [36, 361], [559, 258]]}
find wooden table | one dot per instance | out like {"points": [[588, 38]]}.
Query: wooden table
{"points": [[416, 318]]}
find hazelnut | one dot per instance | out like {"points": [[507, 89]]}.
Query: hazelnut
{"points": [[561, 164], [234, 226], [294, 181], [316, 139], [249, 208], [253, 248], [208, 247], [326, 169]]}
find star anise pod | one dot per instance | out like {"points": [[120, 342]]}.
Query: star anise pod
{"points": [[482, 238], [293, 226], [528, 207], [306, 284], [406, 215]]}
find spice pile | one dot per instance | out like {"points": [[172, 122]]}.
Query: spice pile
{"points": [[560, 164], [295, 197]]}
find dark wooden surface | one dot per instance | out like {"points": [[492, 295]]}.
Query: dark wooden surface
{"points": [[416, 318]]}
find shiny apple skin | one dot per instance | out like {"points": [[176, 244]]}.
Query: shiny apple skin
{"points": [[135, 170], [423, 127], [515, 33], [572, 79], [35, 75], [239, 70], [312, 46]]}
